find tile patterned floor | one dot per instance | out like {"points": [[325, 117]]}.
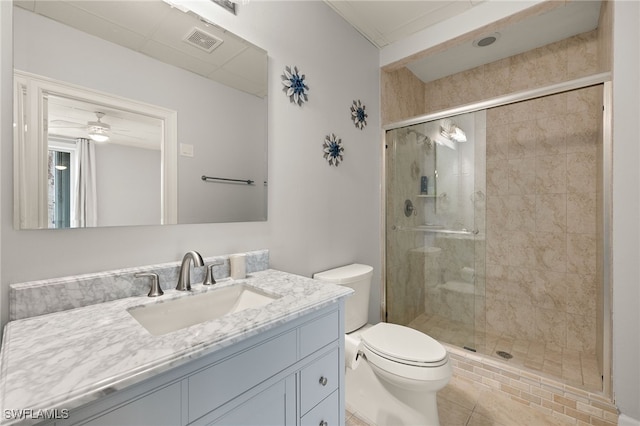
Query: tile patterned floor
{"points": [[569, 366], [462, 403]]}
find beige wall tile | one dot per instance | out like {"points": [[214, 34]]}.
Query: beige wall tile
{"points": [[587, 99], [551, 251], [522, 283], [521, 213], [549, 106], [497, 212], [523, 138], [581, 172], [497, 142], [402, 95], [551, 213], [581, 254], [522, 249], [550, 326], [583, 132], [581, 291], [522, 176], [551, 174], [581, 335], [497, 282], [522, 71], [496, 73], [552, 136], [550, 290], [582, 55], [497, 177], [581, 212]]}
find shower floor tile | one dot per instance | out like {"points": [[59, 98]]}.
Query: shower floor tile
{"points": [[574, 368]]}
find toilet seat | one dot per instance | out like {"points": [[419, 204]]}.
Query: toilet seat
{"points": [[404, 345]]}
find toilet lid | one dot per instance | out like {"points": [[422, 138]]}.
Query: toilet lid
{"points": [[403, 344]]}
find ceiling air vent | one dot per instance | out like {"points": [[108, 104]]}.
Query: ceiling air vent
{"points": [[202, 40]]}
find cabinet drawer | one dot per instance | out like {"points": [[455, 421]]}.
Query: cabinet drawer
{"points": [[318, 380], [324, 414], [214, 386], [318, 333]]}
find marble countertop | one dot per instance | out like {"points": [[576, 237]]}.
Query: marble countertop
{"points": [[66, 359]]}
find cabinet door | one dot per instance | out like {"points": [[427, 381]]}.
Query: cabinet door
{"points": [[162, 407], [268, 408]]}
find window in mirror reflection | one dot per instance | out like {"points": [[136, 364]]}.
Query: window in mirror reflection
{"points": [[61, 159]]}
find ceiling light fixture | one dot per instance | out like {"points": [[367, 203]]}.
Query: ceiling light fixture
{"points": [[99, 131], [449, 130], [486, 40]]}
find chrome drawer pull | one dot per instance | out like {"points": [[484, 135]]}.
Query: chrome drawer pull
{"points": [[323, 423], [323, 381]]}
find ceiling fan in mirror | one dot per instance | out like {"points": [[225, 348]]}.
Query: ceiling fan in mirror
{"points": [[97, 130]]}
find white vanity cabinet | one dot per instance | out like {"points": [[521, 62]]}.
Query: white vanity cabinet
{"points": [[292, 375]]}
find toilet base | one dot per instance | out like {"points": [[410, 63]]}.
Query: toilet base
{"points": [[376, 402]]}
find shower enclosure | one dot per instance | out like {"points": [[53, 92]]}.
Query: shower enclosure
{"points": [[495, 230]]}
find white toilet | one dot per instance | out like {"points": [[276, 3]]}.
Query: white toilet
{"points": [[402, 370]]}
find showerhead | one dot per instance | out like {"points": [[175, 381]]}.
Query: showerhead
{"points": [[421, 139]]}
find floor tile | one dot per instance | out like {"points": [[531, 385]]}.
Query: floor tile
{"points": [[461, 403]]}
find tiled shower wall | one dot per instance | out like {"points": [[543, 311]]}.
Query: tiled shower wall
{"points": [[541, 281]]}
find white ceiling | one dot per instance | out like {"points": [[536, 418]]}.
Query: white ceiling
{"points": [[386, 22]]}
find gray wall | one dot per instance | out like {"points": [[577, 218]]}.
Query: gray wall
{"points": [[128, 185], [319, 216]]}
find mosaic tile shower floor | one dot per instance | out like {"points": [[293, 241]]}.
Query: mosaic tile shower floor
{"points": [[568, 366]]}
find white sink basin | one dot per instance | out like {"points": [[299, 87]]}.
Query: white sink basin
{"points": [[165, 317]]}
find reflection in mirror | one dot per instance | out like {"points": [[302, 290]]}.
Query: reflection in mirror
{"points": [[172, 112], [97, 163]]}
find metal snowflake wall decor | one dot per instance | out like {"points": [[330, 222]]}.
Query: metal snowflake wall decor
{"points": [[333, 149], [294, 85], [358, 115]]}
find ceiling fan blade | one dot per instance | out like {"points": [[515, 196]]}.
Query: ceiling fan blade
{"points": [[65, 123], [120, 133]]}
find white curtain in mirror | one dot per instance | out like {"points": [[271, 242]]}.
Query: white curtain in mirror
{"points": [[84, 203]]}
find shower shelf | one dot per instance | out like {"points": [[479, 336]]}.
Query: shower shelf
{"points": [[443, 195]]}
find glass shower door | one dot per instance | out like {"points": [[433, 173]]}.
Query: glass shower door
{"points": [[434, 228]]}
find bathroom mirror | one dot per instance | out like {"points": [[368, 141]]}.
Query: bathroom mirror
{"points": [[178, 97]]}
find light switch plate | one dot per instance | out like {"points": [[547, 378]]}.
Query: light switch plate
{"points": [[186, 150]]}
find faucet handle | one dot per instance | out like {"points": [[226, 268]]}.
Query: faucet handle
{"points": [[155, 289], [209, 279]]}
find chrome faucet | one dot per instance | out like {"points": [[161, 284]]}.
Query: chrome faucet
{"points": [[184, 280]]}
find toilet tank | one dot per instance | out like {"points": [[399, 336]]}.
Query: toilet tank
{"points": [[357, 277]]}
